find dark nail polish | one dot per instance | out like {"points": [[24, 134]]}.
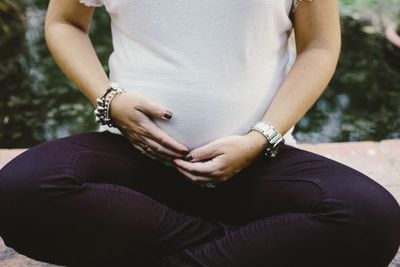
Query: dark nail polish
{"points": [[167, 115], [189, 157]]}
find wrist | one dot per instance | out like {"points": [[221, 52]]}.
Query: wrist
{"points": [[114, 104], [258, 141], [102, 111], [273, 137], [102, 88]]}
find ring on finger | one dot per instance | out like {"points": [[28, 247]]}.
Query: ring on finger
{"points": [[140, 149], [210, 185]]}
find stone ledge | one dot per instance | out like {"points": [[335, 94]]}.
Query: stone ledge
{"points": [[8, 154], [379, 160]]}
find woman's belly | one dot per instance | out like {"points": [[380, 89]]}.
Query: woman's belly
{"points": [[216, 68], [205, 111]]}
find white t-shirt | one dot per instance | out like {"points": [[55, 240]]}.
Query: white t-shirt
{"points": [[215, 64]]}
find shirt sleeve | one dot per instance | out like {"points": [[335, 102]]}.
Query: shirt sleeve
{"points": [[296, 4], [92, 2]]}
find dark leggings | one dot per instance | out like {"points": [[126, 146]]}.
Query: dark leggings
{"points": [[93, 200]]}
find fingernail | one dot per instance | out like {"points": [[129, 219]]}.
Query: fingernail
{"points": [[184, 151], [167, 115], [189, 157]]}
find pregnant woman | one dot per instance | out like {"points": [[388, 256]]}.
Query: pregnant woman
{"points": [[190, 166]]}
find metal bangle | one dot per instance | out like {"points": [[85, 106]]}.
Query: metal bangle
{"points": [[272, 135]]}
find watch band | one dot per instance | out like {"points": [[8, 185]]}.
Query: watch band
{"points": [[275, 139]]}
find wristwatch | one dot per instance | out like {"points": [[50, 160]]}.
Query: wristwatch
{"points": [[275, 139]]}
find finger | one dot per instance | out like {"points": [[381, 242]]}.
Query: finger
{"points": [[153, 109], [157, 155], [208, 151], [150, 156], [160, 150], [135, 140], [155, 133], [155, 149], [141, 150], [194, 178], [144, 148], [151, 130], [207, 168]]}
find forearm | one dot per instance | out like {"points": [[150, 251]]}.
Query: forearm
{"points": [[306, 81], [318, 41], [74, 53]]}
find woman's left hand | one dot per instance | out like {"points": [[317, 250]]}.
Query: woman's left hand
{"points": [[222, 158]]}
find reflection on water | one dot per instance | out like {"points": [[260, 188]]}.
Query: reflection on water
{"points": [[38, 103], [362, 101]]}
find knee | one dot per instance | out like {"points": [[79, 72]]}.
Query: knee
{"points": [[10, 181], [36, 174], [17, 180], [370, 219], [380, 217], [14, 196], [19, 175]]}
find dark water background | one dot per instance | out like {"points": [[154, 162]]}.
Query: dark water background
{"points": [[37, 103]]}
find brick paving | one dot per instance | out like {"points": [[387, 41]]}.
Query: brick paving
{"points": [[379, 160]]}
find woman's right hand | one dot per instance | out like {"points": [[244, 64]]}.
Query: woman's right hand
{"points": [[134, 114]]}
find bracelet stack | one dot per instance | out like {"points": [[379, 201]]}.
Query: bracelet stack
{"points": [[102, 111]]}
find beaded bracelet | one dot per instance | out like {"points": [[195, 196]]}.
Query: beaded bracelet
{"points": [[102, 111]]}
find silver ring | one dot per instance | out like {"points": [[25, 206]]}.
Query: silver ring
{"points": [[142, 149], [146, 148], [210, 185]]}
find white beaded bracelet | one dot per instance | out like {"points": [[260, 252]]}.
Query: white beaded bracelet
{"points": [[102, 111]]}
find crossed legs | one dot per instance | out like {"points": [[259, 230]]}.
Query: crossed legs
{"points": [[93, 200]]}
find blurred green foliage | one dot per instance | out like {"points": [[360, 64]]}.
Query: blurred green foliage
{"points": [[37, 102], [388, 7]]}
